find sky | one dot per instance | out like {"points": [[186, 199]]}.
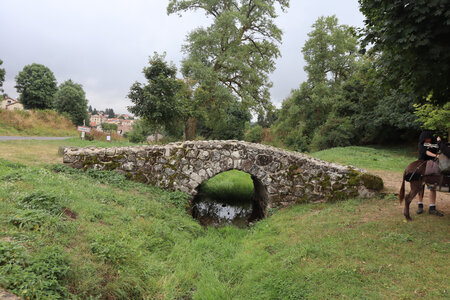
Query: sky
{"points": [[105, 44]]}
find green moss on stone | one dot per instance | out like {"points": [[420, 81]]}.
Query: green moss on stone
{"points": [[372, 182]]}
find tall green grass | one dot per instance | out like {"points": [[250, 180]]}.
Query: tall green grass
{"points": [[100, 236]]}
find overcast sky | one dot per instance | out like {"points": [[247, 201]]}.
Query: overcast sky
{"points": [[104, 44]]}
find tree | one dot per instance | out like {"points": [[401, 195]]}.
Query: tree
{"points": [[37, 86], [434, 117], [413, 39], [140, 131], [109, 127], [330, 52], [110, 113], [237, 51], [155, 101], [95, 112], [2, 76], [71, 99], [90, 109]]}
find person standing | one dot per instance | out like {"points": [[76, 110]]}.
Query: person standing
{"points": [[428, 153]]}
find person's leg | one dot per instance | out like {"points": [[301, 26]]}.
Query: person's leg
{"points": [[420, 205], [433, 210]]}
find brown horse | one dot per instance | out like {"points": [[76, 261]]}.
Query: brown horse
{"points": [[415, 174]]}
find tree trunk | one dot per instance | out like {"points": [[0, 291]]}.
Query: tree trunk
{"points": [[190, 128]]}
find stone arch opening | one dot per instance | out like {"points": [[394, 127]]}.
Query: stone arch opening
{"points": [[225, 198]]}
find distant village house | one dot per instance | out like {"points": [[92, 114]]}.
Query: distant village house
{"points": [[11, 104], [124, 124]]}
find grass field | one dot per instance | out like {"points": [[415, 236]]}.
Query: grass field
{"points": [[46, 152], [95, 235], [372, 158]]}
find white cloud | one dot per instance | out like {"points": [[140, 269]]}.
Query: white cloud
{"points": [[105, 44]]}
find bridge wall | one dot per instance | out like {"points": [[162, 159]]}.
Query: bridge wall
{"points": [[281, 177]]}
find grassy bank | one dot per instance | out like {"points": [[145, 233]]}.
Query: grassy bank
{"points": [[70, 234], [229, 187], [46, 152], [372, 158], [35, 123]]}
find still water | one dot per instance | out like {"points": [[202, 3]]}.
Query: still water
{"points": [[211, 212]]}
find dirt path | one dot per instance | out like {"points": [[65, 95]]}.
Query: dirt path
{"points": [[7, 296], [393, 181]]}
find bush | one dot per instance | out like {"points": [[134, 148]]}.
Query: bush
{"points": [[141, 130], [255, 134], [336, 132], [109, 126], [101, 136]]}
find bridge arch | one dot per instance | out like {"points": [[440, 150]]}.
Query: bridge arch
{"points": [[260, 197], [281, 177]]}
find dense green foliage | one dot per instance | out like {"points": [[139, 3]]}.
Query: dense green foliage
{"points": [[2, 76], [225, 123], [413, 39], [155, 101], [255, 134], [435, 117], [141, 130], [71, 99], [109, 127], [37, 86], [344, 101]]}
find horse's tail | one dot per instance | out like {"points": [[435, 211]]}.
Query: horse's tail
{"points": [[401, 193]]}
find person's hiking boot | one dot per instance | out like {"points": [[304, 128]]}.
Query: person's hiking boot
{"points": [[434, 211], [420, 209]]}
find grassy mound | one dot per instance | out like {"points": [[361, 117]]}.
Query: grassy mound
{"points": [[35, 123]]}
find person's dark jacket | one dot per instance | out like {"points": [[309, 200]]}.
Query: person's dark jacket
{"points": [[422, 148]]}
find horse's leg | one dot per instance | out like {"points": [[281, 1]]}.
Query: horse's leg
{"points": [[416, 187]]}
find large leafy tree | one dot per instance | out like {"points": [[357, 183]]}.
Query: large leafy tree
{"points": [[237, 51], [413, 37], [155, 101], [2, 76], [71, 99], [37, 86], [331, 58], [330, 52]]}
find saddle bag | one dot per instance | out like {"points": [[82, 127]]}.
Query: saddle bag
{"points": [[444, 164], [432, 168]]}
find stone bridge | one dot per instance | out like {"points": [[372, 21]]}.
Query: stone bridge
{"points": [[280, 177]]}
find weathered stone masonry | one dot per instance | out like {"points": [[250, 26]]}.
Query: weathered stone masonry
{"points": [[281, 178]]}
